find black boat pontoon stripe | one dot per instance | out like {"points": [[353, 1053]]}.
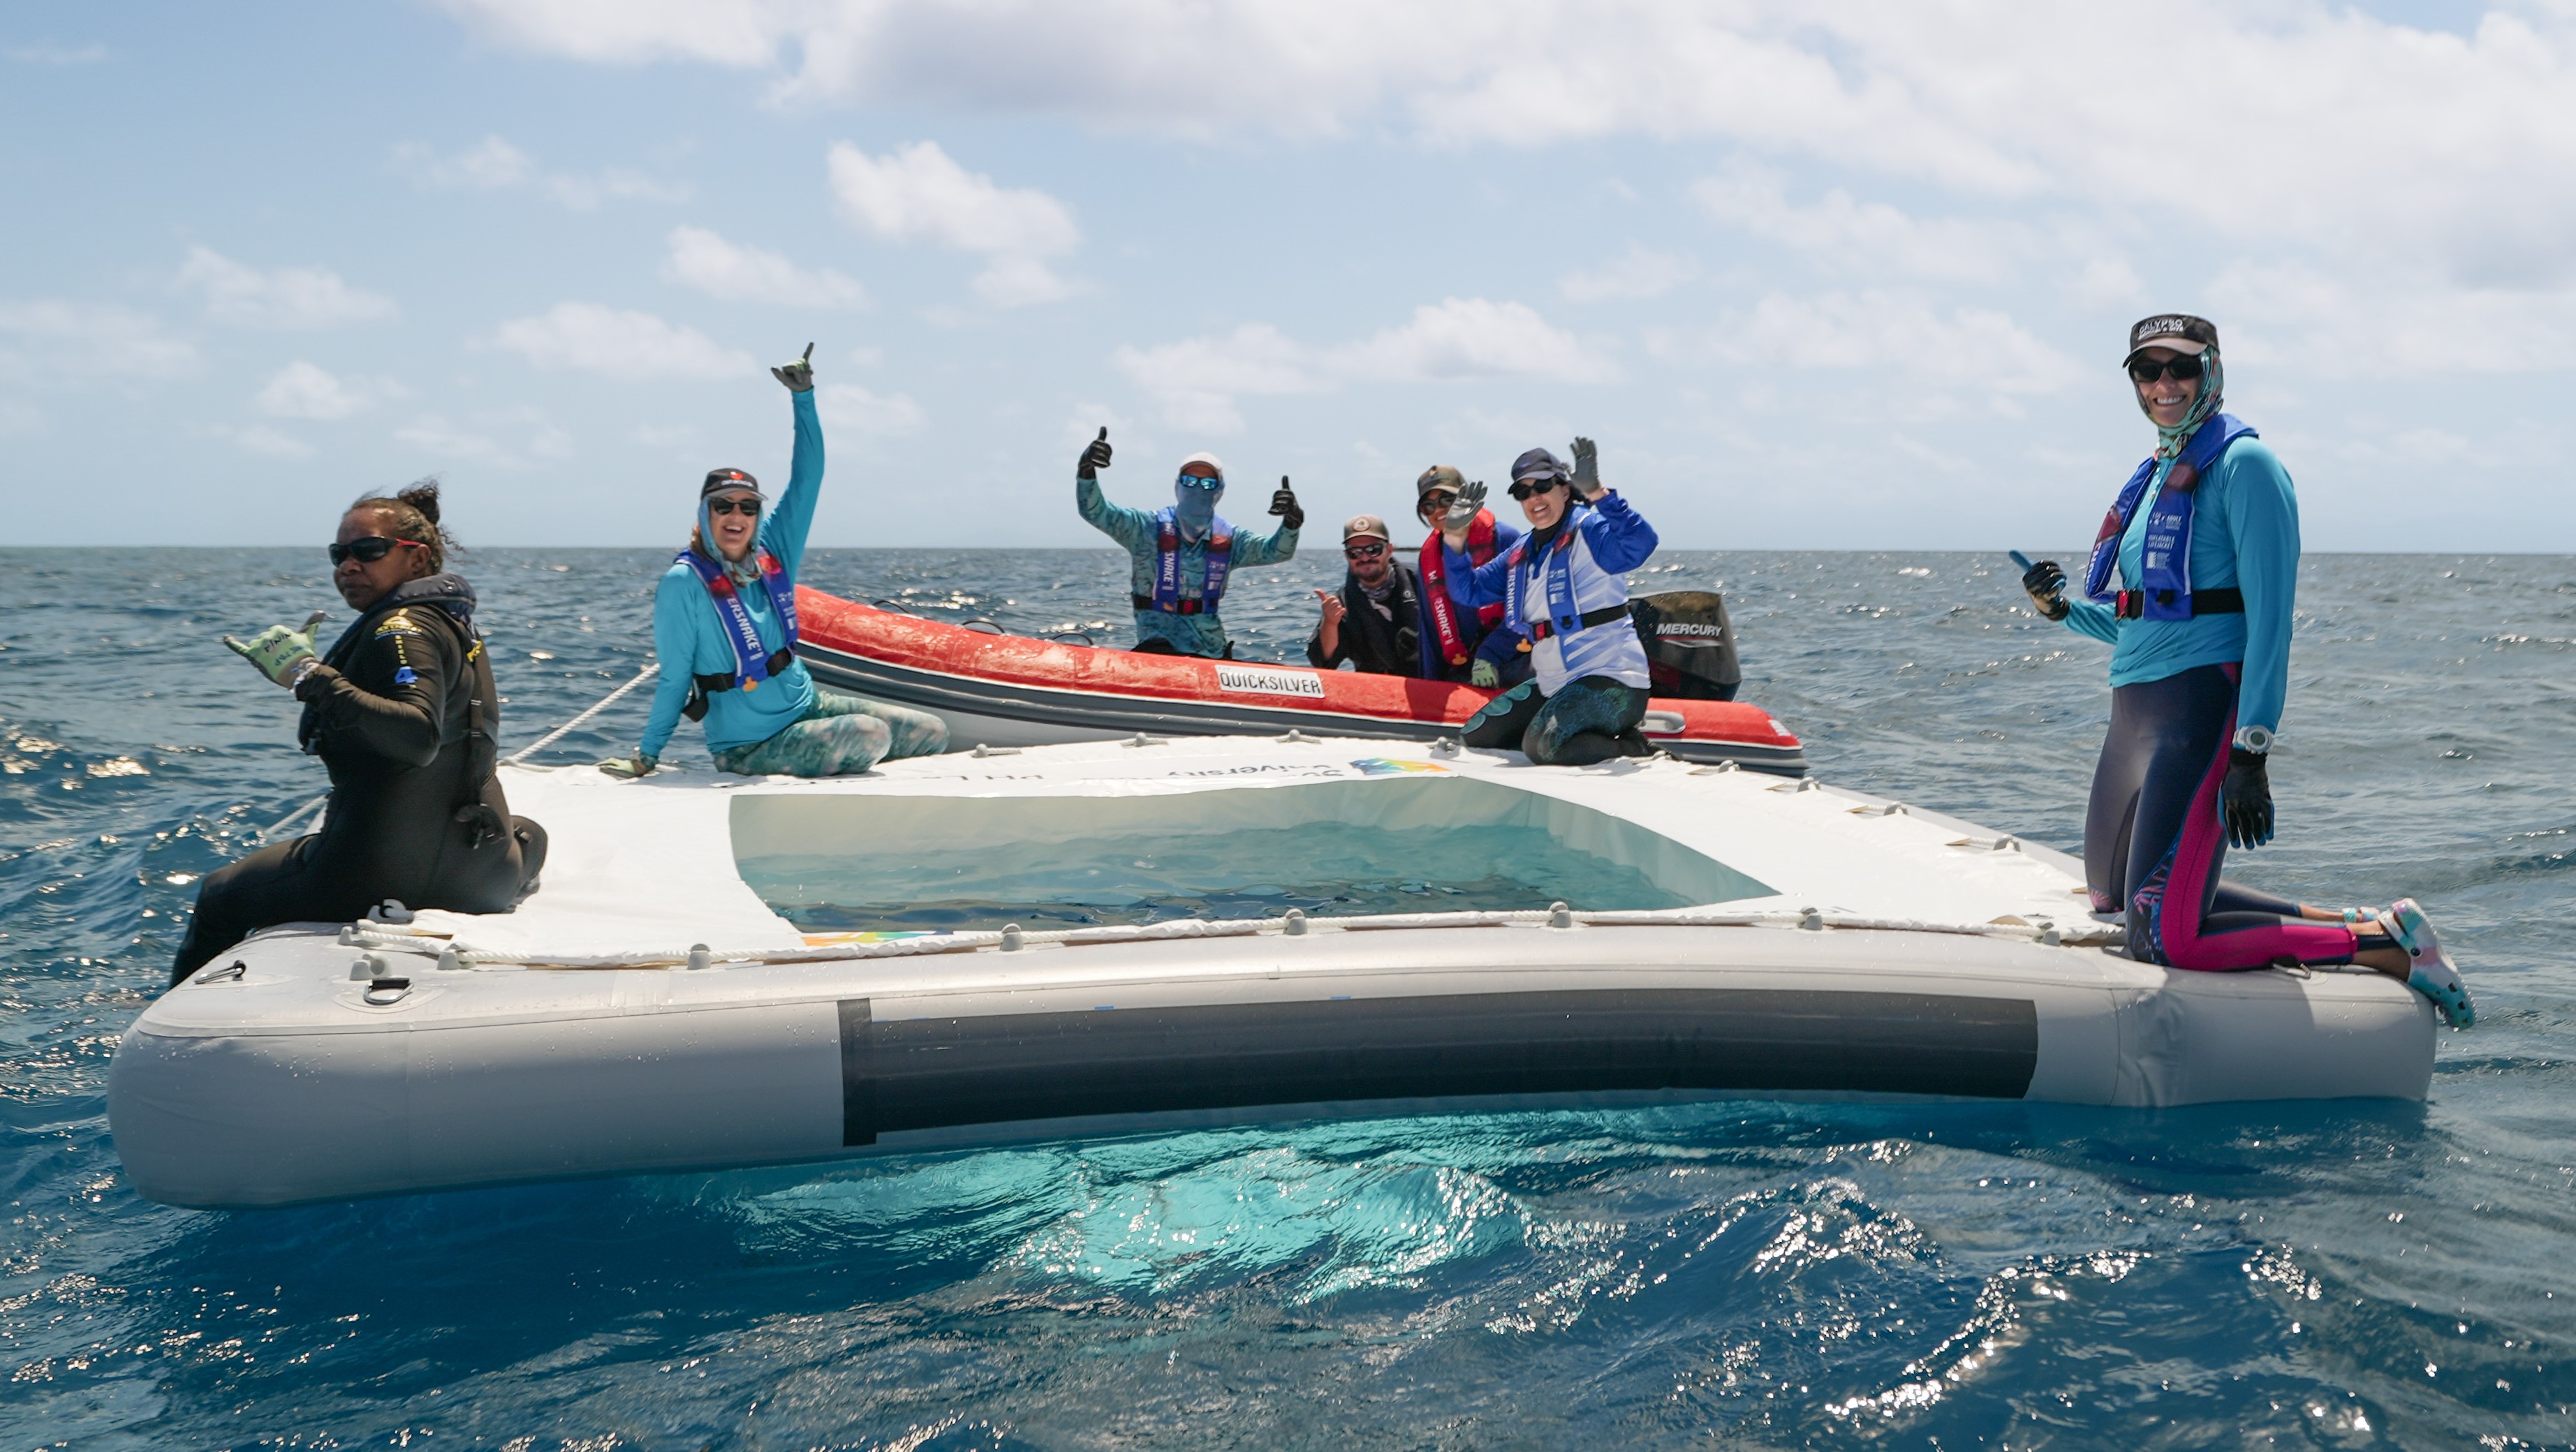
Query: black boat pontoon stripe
{"points": [[858, 1087], [929, 1073], [1118, 715]]}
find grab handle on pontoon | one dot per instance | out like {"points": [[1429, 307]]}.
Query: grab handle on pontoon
{"points": [[1663, 723]]}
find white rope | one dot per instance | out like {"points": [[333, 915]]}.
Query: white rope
{"points": [[375, 935], [602, 704], [282, 823], [541, 743]]}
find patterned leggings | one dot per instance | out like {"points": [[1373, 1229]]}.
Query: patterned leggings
{"points": [[1579, 725], [839, 736]]}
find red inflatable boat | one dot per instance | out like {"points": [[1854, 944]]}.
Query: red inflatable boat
{"points": [[1008, 690]]}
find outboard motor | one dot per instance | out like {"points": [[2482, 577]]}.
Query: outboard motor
{"points": [[1690, 645]]}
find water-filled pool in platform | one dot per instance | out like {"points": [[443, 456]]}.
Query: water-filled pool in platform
{"points": [[1429, 843]]}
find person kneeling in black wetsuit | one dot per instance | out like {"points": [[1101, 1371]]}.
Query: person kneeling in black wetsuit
{"points": [[403, 712]]}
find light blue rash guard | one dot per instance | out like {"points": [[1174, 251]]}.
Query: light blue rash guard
{"points": [[2245, 533], [1137, 532], [689, 637]]}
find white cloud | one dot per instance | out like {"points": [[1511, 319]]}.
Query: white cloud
{"points": [[1633, 275], [90, 339], [1195, 381], [850, 409], [295, 298], [56, 55], [918, 193], [705, 261], [1474, 338], [616, 344], [1972, 350], [301, 390], [476, 443], [616, 184], [2362, 146], [2296, 313], [276, 443], [1866, 237], [493, 164]]}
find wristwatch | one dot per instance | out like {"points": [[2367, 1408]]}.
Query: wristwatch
{"points": [[2256, 739]]}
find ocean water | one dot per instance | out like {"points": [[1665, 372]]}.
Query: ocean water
{"points": [[1745, 1273]]}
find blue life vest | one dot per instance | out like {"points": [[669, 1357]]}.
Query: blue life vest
{"points": [[751, 664], [1167, 564], [1562, 618], [2165, 559]]}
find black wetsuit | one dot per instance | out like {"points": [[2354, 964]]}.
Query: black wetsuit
{"points": [[403, 713]]}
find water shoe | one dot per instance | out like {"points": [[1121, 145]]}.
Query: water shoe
{"points": [[2433, 974]]}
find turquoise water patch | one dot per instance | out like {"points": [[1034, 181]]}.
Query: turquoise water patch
{"points": [[1417, 843]]}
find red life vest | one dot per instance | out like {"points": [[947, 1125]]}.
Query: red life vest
{"points": [[1434, 571]]}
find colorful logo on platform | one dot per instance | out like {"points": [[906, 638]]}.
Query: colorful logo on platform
{"points": [[1380, 766]]}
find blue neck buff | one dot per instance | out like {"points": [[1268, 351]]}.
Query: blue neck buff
{"points": [[1194, 509]]}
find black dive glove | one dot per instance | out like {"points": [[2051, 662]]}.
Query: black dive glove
{"points": [[799, 375], [1283, 502], [2245, 798], [1095, 457], [2047, 586]]}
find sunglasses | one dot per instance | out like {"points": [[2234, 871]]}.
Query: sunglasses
{"points": [[369, 550], [735, 504], [1200, 481], [2183, 368], [1363, 551], [1523, 489], [1436, 499]]}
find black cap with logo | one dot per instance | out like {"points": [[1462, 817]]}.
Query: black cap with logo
{"points": [[2181, 332]]}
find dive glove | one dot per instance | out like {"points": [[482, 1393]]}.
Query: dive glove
{"points": [[2047, 586], [1464, 509], [628, 768], [1283, 502], [1482, 674], [1587, 468], [282, 655], [2245, 798], [1095, 457], [799, 375]]}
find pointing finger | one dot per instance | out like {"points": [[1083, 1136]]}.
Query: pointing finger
{"points": [[809, 354]]}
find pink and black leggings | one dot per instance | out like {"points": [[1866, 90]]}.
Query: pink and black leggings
{"points": [[2153, 840]]}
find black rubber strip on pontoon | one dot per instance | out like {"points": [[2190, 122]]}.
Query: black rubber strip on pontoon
{"points": [[930, 1073]]}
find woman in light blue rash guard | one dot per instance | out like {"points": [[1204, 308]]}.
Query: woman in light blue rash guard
{"points": [[1184, 551], [724, 628], [2204, 540], [1564, 588]]}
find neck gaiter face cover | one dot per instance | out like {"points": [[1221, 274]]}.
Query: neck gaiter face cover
{"points": [[2212, 396], [1195, 509]]}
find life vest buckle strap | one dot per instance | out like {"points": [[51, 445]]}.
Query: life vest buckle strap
{"points": [[1542, 629], [2225, 600]]}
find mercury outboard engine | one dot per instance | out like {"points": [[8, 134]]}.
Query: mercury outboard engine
{"points": [[1690, 645]]}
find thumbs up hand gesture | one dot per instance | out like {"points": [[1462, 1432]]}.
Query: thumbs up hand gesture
{"points": [[1095, 457]]}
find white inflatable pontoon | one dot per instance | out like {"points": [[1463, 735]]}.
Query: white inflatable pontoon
{"points": [[651, 1009]]}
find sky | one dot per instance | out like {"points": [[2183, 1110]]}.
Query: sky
{"points": [[1850, 276]]}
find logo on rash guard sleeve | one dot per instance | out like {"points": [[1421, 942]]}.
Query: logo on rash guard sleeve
{"points": [[405, 676]]}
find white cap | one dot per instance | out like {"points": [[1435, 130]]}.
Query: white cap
{"points": [[1204, 457]]}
